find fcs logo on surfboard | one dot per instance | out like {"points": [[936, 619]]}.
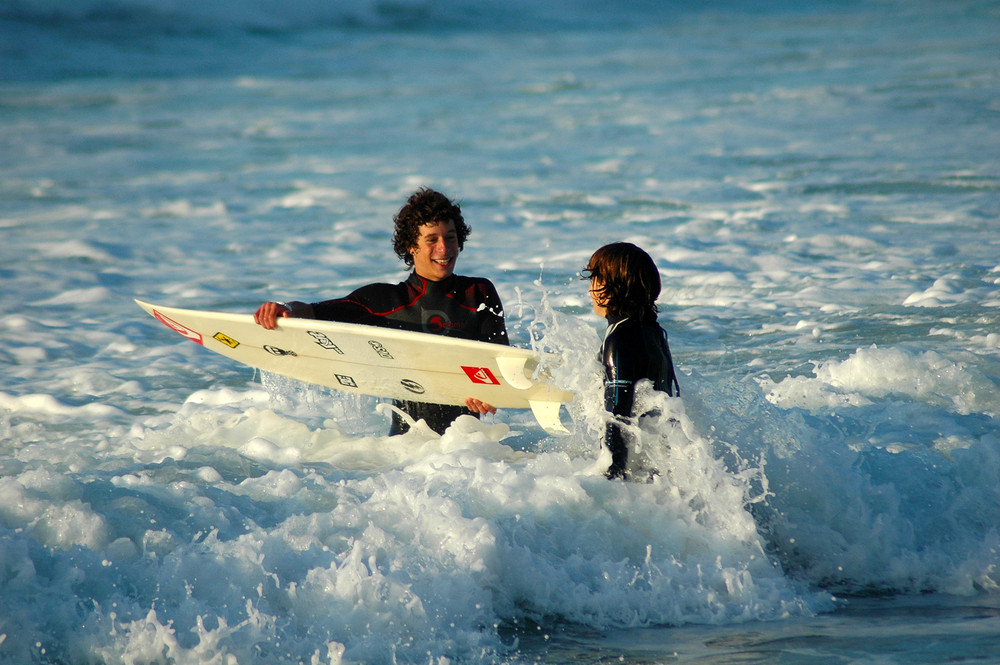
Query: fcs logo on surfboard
{"points": [[481, 375]]}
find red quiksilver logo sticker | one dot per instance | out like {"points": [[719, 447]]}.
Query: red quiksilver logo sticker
{"points": [[481, 375], [176, 327]]}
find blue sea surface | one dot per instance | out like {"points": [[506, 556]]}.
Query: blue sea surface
{"points": [[818, 183]]}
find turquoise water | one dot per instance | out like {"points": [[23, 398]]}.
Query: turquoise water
{"points": [[818, 186]]}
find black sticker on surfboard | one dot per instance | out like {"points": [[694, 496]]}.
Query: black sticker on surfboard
{"points": [[275, 351], [412, 386], [345, 380], [379, 349], [324, 341]]}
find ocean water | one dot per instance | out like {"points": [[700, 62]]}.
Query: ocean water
{"points": [[819, 184]]}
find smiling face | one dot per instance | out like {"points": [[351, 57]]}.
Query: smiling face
{"points": [[436, 251]]}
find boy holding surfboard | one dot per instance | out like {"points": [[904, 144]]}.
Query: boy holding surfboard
{"points": [[429, 234]]}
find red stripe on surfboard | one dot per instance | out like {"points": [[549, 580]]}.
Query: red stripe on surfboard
{"points": [[192, 335]]}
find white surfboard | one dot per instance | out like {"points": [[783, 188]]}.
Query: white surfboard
{"points": [[377, 361]]}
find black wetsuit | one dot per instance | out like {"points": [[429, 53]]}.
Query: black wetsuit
{"points": [[632, 350], [465, 307]]}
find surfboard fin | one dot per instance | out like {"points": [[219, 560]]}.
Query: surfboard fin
{"points": [[547, 415], [514, 371]]}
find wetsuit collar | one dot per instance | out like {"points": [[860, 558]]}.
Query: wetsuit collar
{"points": [[648, 316], [612, 325], [424, 283], [615, 319]]}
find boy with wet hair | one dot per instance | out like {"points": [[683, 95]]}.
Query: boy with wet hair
{"points": [[425, 206], [624, 286]]}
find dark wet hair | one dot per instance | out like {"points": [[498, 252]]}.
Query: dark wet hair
{"points": [[630, 280], [425, 206]]}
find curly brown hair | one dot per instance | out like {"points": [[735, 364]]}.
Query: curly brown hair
{"points": [[425, 206], [630, 282]]}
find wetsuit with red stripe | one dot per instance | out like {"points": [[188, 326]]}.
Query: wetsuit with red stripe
{"points": [[464, 307]]}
